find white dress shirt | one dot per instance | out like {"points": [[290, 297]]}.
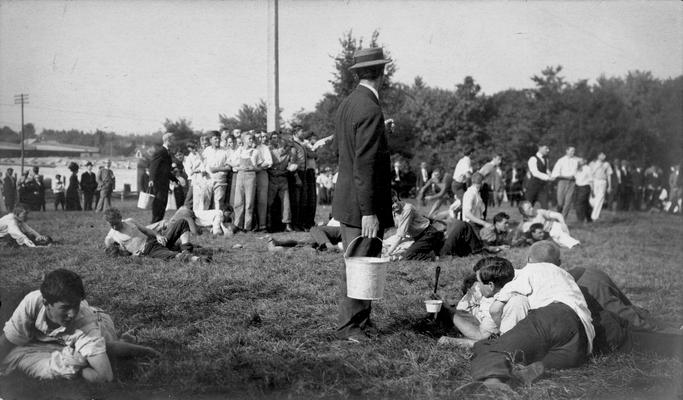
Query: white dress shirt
{"points": [[545, 283]]}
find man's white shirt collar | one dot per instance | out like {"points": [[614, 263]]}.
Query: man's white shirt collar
{"points": [[372, 89]]}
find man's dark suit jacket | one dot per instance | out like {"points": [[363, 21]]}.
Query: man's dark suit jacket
{"points": [[160, 170], [364, 181], [88, 182]]}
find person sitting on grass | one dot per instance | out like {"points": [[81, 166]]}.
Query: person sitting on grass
{"points": [[219, 221], [411, 225], [324, 238], [14, 230], [553, 223], [557, 332], [462, 239], [54, 333], [140, 240], [471, 316]]}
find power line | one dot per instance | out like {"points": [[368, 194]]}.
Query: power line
{"points": [[88, 113]]}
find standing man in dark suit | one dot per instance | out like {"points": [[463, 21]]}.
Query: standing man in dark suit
{"points": [[362, 201], [9, 189], [160, 176], [540, 177], [88, 186]]}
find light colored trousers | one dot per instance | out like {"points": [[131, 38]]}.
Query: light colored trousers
{"points": [[565, 196], [219, 190], [262, 197], [245, 192], [598, 198], [560, 234]]}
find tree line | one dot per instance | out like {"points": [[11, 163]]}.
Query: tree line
{"points": [[636, 117]]}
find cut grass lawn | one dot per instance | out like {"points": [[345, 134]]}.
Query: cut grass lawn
{"points": [[259, 324]]}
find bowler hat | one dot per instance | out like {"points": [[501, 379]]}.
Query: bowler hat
{"points": [[369, 57]]}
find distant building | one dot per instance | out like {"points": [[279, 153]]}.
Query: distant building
{"points": [[34, 148]]}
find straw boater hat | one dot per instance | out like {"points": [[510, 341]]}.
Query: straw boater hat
{"points": [[369, 57]]}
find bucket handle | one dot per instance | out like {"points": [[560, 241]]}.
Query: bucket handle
{"points": [[354, 239]]}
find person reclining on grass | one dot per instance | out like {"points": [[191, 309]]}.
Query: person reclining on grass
{"points": [[471, 315], [325, 237], [55, 333], [557, 332], [553, 223], [462, 239], [14, 230], [412, 225], [619, 324], [140, 240], [220, 221]]}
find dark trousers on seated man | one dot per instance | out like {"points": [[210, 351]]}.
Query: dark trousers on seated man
{"points": [[354, 314], [552, 334], [174, 230], [461, 240]]}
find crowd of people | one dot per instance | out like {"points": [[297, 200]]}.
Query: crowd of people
{"points": [[72, 194], [271, 181], [233, 181]]}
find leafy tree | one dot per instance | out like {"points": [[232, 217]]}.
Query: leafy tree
{"points": [[8, 135], [247, 118], [181, 129], [321, 120]]}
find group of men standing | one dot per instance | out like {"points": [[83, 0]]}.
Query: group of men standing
{"points": [[268, 179], [585, 186]]}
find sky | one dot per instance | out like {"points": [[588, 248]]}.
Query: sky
{"points": [[126, 66]]}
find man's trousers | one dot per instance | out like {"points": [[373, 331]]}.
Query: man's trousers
{"points": [[354, 314], [552, 334]]}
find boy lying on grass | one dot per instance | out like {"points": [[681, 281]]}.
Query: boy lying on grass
{"points": [[553, 223], [412, 225], [218, 221], [140, 240], [556, 333], [619, 324], [55, 333], [15, 231]]}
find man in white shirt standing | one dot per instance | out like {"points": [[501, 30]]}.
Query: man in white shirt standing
{"points": [[262, 180], [564, 171], [538, 184], [463, 171], [216, 163], [602, 184]]}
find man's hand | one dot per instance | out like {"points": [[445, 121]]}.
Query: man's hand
{"points": [[161, 239], [488, 225], [369, 226]]}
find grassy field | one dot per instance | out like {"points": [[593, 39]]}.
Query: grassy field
{"points": [[258, 324]]}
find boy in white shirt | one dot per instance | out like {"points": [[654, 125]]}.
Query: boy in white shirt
{"points": [[557, 333], [15, 230], [55, 333], [140, 240], [58, 191]]}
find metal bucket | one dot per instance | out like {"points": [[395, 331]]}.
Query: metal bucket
{"points": [[365, 276]]}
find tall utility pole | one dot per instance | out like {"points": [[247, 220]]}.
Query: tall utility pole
{"points": [[273, 104], [21, 99]]}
